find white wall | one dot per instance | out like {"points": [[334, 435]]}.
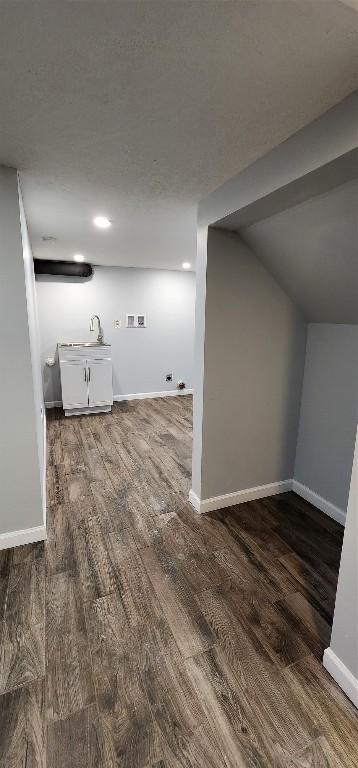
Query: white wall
{"points": [[21, 447], [253, 369], [34, 337], [329, 412], [141, 357], [341, 659], [199, 359]]}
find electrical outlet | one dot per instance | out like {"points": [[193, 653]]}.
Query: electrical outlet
{"points": [[169, 377], [118, 324]]}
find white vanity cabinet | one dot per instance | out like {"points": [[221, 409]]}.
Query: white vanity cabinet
{"points": [[86, 378], [74, 384], [100, 390]]}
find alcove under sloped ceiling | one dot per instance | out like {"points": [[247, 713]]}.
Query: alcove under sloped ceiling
{"points": [[312, 251]]}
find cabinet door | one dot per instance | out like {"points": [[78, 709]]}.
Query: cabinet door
{"points": [[100, 388], [74, 384]]}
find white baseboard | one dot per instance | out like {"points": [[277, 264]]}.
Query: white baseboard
{"points": [[238, 497], [259, 492], [134, 396], [341, 674], [194, 501], [150, 395], [318, 501], [44, 476], [28, 536], [88, 411]]}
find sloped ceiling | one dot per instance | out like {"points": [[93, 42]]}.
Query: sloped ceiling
{"points": [[312, 251]]}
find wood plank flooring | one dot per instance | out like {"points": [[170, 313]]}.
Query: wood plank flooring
{"points": [[142, 635]]}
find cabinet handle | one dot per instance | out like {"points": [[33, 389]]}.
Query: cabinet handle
{"points": [[85, 375], [89, 375]]}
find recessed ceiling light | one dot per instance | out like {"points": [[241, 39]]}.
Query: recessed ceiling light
{"points": [[79, 257], [102, 222], [186, 265]]}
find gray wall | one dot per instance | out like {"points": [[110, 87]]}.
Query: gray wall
{"points": [[199, 359], [254, 360], [329, 411], [311, 250], [20, 439], [344, 639], [34, 337], [141, 357]]}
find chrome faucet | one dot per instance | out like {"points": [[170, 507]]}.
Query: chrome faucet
{"points": [[100, 332]]}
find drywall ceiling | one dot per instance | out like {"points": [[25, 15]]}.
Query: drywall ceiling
{"points": [[138, 109], [312, 251]]}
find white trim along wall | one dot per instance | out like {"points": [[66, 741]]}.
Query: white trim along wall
{"points": [[262, 491], [318, 501], [135, 396], [27, 536], [239, 497], [341, 674]]}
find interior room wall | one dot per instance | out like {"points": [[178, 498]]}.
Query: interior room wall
{"points": [[329, 412], [21, 479], [141, 357], [311, 250], [341, 659], [34, 337], [199, 360], [266, 187], [253, 369]]}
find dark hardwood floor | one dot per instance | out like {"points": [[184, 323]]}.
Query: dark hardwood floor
{"points": [[142, 635]]}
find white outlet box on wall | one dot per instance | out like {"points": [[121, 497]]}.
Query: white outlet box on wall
{"points": [[136, 320]]}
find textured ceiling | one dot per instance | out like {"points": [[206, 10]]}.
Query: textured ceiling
{"points": [[312, 251], [139, 109]]}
